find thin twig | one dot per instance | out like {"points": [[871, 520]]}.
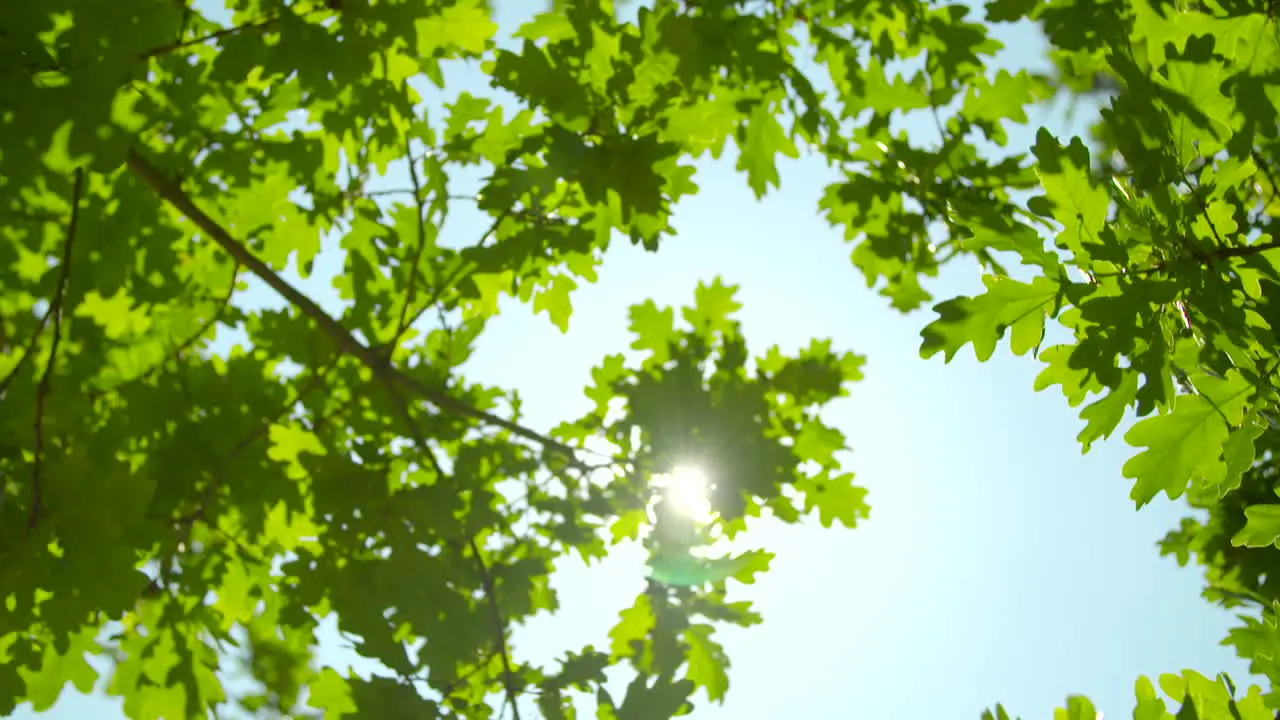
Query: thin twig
{"points": [[1204, 209], [401, 326], [1219, 254], [29, 349], [225, 32], [486, 578], [55, 309], [1242, 251], [345, 341], [500, 628], [409, 191], [26, 351], [216, 35], [454, 685], [444, 285]]}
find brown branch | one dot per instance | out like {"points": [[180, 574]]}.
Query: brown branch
{"points": [[30, 347], [26, 351], [1203, 258], [1204, 207], [486, 578], [345, 341], [55, 309], [500, 626], [407, 191], [402, 327], [454, 685], [175, 46], [443, 286], [1244, 251], [226, 32]]}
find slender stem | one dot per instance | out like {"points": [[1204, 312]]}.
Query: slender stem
{"points": [[414, 270], [46, 378], [486, 577], [175, 46], [495, 613]]}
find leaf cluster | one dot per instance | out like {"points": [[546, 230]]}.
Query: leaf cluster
{"points": [[166, 506]]}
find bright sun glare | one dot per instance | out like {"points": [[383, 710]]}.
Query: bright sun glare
{"points": [[687, 489]]}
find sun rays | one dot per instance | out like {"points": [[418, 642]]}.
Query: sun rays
{"points": [[688, 490]]}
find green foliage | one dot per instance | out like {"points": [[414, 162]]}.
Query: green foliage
{"points": [[155, 156], [1163, 270]]}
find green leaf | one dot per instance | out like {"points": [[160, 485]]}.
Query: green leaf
{"points": [[634, 625], [1078, 204], [712, 309], [982, 320], [1104, 415], [1078, 708], [60, 667], [835, 497], [627, 526], [330, 458], [331, 693], [708, 665], [464, 25], [761, 140], [1180, 446], [554, 300], [663, 698], [654, 329], [1262, 527]]}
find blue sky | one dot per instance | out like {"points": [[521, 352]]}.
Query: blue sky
{"points": [[998, 565]]}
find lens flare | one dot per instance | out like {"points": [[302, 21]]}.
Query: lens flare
{"points": [[688, 491]]}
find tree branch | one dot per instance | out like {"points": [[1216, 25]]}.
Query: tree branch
{"points": [[225, 32], [55, 309], [1202, 258], [443, 286], [1243, 251], [419, 209], [500, 626], [346, 342], [175, 46], [486, 578]]}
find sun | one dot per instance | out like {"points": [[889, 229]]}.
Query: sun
{"points": [[688, 490]]}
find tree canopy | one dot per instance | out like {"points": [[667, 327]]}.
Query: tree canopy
{"points": [[161, 503]]}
